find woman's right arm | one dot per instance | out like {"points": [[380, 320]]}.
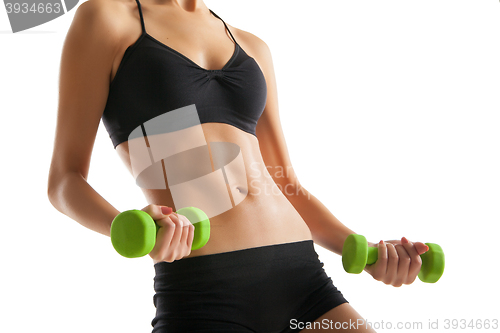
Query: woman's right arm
{"points": [[89, 50], [87, 56]]}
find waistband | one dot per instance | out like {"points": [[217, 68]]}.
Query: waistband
{"points": [[240, 258]]}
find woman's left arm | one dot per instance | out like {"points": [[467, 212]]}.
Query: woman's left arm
{"points": [[400, 262]]}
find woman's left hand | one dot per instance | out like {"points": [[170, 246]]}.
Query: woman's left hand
{"points": [[398, 261]]}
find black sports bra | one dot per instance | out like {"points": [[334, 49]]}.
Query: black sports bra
{"points": [[153, 79]]}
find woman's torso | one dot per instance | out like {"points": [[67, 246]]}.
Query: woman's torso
{"points": [[259, 214]]}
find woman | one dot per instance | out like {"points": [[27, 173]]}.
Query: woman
{"points": [[128, 62]]}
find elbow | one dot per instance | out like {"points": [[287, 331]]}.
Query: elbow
{"points": [[60, 186], [55, 188], [52, 190]]}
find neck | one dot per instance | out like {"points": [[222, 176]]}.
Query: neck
{"points": [[188, 5]]}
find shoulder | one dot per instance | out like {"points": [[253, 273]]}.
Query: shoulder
{"points": [[104, 19], [98, 11], [253, 45], [109, 8]]}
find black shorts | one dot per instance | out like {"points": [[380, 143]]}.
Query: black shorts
{"points": [[260, 289]]}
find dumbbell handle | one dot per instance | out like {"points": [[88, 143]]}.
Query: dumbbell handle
{"points": [[372, 255]]}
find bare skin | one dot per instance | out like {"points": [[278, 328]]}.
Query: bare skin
{"points": [[97, 39]]}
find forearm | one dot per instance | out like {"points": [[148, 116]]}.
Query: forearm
{"points": [[75, 198], [326, 229]]}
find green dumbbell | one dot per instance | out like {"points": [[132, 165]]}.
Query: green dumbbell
{"points": [[356, 254], [133, 232]]}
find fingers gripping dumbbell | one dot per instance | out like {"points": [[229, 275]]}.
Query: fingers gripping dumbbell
{"points": [[356, 254], [133, 232]]}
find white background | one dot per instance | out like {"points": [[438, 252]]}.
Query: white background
{"points": [[391, 114]]}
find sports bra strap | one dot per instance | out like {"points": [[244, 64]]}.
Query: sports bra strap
{"points": [[225, 26], [144, 26], [142, 18]]}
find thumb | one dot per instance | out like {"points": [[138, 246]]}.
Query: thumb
{"points": [[157, 211], [421, 247]]}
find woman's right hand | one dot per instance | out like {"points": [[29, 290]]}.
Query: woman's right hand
{"points": [[174, 237]]}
